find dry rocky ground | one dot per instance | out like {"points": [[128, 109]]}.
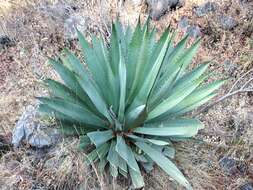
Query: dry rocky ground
{"points": [[221, 156]]}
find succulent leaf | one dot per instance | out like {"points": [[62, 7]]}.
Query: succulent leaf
{"points": [[100, 137], [164, 163], [126, 100]]}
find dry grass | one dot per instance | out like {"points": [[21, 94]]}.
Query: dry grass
{"points": [[61, 168], [37, 35]]}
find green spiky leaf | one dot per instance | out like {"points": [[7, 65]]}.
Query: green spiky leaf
{"points": [[126, 100]]}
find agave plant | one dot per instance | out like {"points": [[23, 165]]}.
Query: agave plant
{"points": [[127, 99]]}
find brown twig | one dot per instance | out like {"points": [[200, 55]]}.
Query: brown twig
{"points": [[244, 88]]}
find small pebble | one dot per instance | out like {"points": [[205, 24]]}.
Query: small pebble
{"points": [[227, 22]]}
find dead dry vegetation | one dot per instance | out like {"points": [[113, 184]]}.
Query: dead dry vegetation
{"points": [[37, 30]]}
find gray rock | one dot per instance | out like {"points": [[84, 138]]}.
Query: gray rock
{"points": [[250, 170], [66, 14], [230, 67], [233, 167], [33, 132], [75, 21], [4, 145], [227, 22], [228, 165], [244, 2], [242, 167], [183, 23], [205, 8], [137, 2], [180, 3], [58, 11], [247, 186], [43, 136], [173, 3], [24, 126], [159, 7], [194, 31], [5, 42]]}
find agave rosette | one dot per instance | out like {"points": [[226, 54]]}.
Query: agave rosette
{"points": [[128, 99]]}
